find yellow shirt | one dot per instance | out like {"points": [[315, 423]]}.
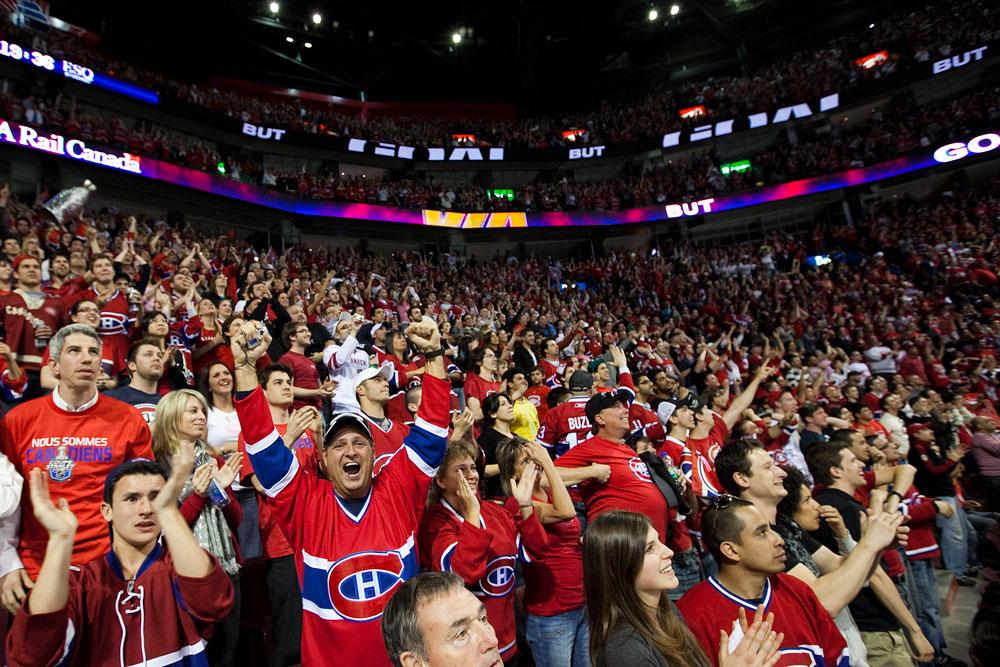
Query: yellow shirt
{"points": [[525, 422]]}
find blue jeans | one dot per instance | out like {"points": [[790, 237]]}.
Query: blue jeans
{"points": [[927, 610], [561, 640], [954, 540]]}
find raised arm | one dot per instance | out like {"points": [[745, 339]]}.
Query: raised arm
{"points": [[743, 401]]}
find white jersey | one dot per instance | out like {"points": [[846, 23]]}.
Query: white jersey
{"points": [[344, 362]]}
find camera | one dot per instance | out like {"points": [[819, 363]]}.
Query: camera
{"points": [[258, 338]]}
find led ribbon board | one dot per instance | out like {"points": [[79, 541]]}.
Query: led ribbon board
{"points": [[712, 127], [54, 144], [80, 73]]}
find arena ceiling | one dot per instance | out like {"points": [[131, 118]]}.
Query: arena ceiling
{"points": [[537, 54]]}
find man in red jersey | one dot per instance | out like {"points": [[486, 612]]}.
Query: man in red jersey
{"points": [[61, 282], [115, 320], [76, 435], [751, 559], [30, 317], [538, 392], [143, 603], [353, 534], [711, 432], [308, 389], [299, 430], [566, 425], [616, 477]]}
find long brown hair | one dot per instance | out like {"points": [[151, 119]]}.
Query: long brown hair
{"points": [[613, 550]]}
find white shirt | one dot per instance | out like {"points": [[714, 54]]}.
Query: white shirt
{"points": [[344, 363], [63, 405], [223, 427]]}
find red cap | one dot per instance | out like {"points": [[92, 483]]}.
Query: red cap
{"points": [[913, 429], [20, 258]]}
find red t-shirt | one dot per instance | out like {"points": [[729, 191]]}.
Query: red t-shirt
{"points": [[554, 585], [306, 377], [629, 488], [477, 387]]}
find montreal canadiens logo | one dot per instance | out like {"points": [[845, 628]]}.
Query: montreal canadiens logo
{"points": [[111, 321], [147, 411], [499, 578], [361, 584], [639, 469], [798, 656]]}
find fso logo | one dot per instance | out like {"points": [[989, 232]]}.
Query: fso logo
{"points": [[984, 143]]}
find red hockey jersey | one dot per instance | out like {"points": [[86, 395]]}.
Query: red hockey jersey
{"points": [[484, 556], [811, 637], [387, 439], [350, 557], [158, 618], [565, 426], [21, 314]]}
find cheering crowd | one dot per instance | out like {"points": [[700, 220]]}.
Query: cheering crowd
{"points": [[703, 455]]}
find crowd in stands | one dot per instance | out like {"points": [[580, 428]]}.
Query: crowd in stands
{"points": [[913, 36], [896, 130], [709, 419]]}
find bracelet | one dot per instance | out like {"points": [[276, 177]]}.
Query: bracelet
{"points": [[524, 507], [893, 493], [434, 353]]}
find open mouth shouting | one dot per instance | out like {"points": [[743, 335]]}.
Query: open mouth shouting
{"points": [[352, 469]]}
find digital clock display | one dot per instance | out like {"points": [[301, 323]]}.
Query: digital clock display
{"points": [[77, 72]]}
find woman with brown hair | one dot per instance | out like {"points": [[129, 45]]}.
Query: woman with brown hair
{"points": [[626, 573], [556, 616]]}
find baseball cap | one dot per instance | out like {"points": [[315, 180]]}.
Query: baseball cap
{"points": [[347, 419], [20, 258], [581, 381], [371, 372], [605, 400], [913, 429], [668, 407]]}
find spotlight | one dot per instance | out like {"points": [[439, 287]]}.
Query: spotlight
{"points": [[653, 14], [871, 25], [675, 10], [274, 7], [456, 38], [317, 19], [290, 40], [308, 45]]}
